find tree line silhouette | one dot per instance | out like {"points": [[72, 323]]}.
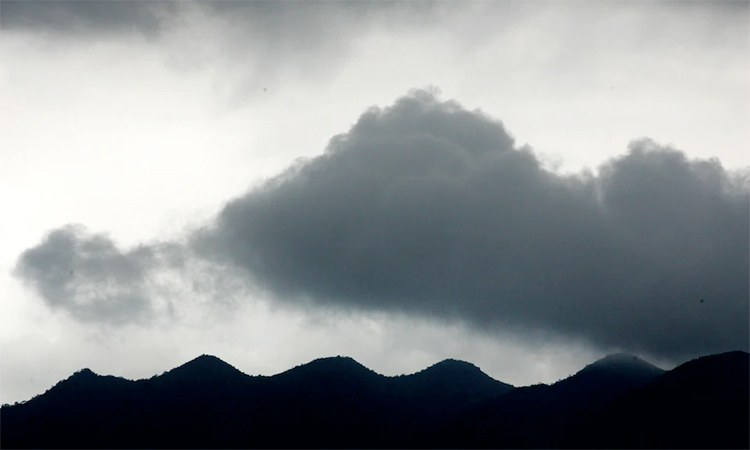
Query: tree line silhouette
{"points": [[617, 402]]}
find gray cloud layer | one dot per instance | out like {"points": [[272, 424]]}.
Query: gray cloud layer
{"points": [[427, 208], [257, 43], [91, 18], [88, 276], [85, 18]]}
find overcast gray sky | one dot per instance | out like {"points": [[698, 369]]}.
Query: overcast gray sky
{"points": [[524, 185]]}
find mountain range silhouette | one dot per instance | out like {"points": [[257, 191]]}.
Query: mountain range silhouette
{"points": [[620, 401]]}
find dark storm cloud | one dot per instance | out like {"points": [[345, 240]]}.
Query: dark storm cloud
{"points": [[149, 16], [85, 18], [92, 17], [87, 276], [256, 43], [426, 207]]}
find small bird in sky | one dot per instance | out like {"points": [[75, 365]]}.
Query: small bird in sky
{"points": [[701, 300]]}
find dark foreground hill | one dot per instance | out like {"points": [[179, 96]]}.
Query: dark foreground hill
{"points": [[206, 403], [619, 401], [704, 403], [543, 416]]}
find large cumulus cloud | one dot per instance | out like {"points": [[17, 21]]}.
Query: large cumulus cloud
{"points": [[426, 208]]}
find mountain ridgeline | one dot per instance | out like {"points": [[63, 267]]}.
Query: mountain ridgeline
{"points": [[618, 401]]}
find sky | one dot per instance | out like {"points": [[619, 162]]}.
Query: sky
{"points": [[527, 186]]}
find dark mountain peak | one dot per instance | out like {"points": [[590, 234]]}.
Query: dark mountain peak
{"points": [[336, 360], [82, 377], [84, 374], [333, 364], [459, 375], [205, 367], [207, 361], [453, 367], [616, 359], [335, 369], [455, 364], [623, 363], [81, 381], [606, 379]]}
